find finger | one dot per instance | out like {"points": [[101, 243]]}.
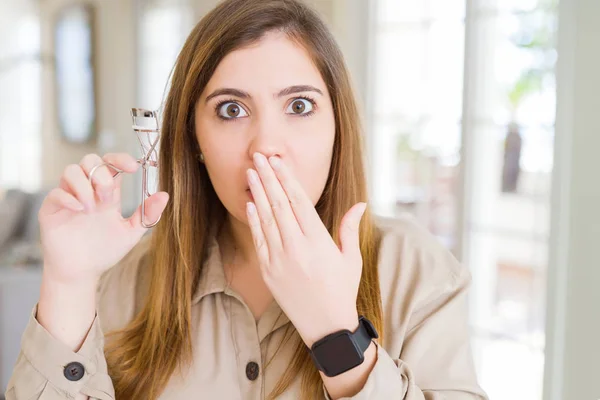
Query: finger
{"points": [[350, 230], [280, 204], [57, 200], [103, 178], [75, 181], [124, 162], [154, 206], [303, 208], [258, 237], [265, 213]]}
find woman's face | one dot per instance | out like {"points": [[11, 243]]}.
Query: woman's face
{"points": [[267, 98]]}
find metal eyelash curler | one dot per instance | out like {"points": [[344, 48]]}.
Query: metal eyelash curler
{"points": [[147, 129]]}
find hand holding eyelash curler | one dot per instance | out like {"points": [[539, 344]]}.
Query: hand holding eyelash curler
{"points": [[145, 125], [82, 230]]}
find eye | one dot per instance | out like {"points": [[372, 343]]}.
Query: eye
{"points": [[230, 110], [300, 106]]}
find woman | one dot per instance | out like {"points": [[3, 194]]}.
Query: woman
{"points": [[253, 283]]}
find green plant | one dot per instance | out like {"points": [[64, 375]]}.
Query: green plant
{"points": [[536, 35]]}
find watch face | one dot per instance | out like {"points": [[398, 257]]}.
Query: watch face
{"points": [[338, 354]]}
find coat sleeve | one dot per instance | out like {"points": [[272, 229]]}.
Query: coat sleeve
{"points": [[47, 369], [436, 359], [427, 316], [44, 362]]}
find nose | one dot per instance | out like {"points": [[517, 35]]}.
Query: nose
{"points": [[267, 139]]}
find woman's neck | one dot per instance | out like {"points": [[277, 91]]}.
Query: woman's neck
{"points": [[237, 243]]}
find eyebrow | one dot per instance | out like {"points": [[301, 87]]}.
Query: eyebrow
{"points": [[245, 95]]}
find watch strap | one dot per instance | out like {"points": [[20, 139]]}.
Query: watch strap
{"points": [[364, 334]]}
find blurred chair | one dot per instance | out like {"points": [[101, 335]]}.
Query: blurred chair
{"points": [[20, 271]]}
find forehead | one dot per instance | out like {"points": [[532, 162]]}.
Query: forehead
{"points": [[272, 63]]}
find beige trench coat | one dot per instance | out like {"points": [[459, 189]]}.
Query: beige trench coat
{"points": [[426, 354]]}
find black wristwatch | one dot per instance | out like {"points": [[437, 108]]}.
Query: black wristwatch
{"points": [[341, 351]]}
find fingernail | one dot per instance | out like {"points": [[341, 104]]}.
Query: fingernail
{"points": [[259, 160], [252, 176], [362, 209], [275, 162], [250, 208]]}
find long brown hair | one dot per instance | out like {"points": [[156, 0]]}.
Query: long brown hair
{"points": [[143, 356]]}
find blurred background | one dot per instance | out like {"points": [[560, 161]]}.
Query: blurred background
{"points": [[480, 119]]}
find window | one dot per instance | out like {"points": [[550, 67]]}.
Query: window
{"points": [[20, 96], [497, 221]]}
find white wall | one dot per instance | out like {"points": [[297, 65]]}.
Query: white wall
{"points": [[115, 85], [573, 322]]}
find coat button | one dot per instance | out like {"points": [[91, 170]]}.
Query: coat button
{"points": [[74, 371], [252, 370]]}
